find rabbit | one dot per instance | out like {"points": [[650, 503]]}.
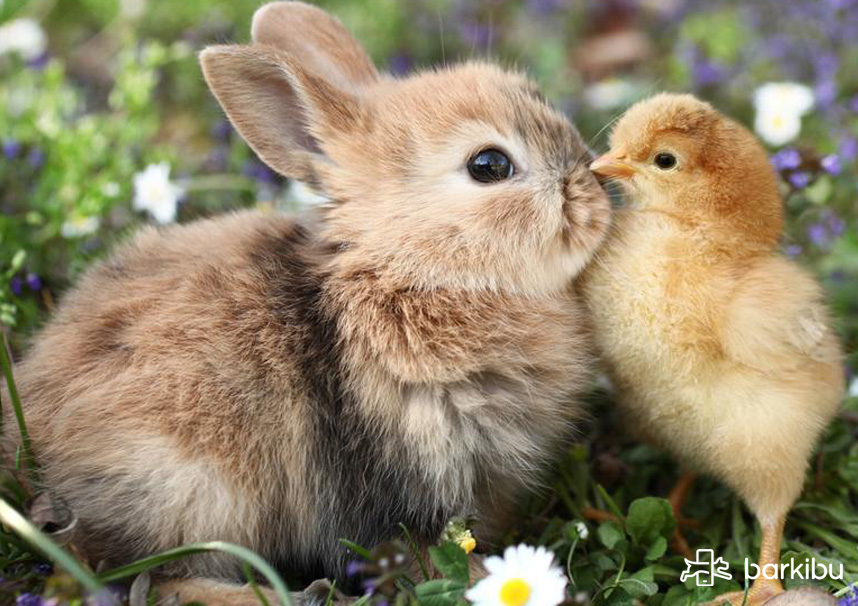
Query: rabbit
{"points": [[408, 352]]}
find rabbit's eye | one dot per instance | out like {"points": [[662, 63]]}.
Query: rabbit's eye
{"points": [[490, 165]]}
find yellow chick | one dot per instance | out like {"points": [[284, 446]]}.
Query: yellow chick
{"points": [[720, 348]]}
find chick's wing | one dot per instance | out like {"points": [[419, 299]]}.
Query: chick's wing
{"points": [[776, 318]]}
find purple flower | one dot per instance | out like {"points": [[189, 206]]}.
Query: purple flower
{"points": [[222, 131], [853, 104], [825, 92], [400, 64], [39, 62], [34, 282], [260, 172], [835, 225], [849, 148], [16, 284], [707, 73], [817, 234], [477, 35], [36, 158], [831, 164], [794, 250], [786, 158], [353, 568], [108, 596], [11, 148], [369, 586], [28, 599], [851, 598], [544, 7], [799, 180]]}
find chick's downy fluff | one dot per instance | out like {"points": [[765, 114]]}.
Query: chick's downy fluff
{"points": [[721, 348]]}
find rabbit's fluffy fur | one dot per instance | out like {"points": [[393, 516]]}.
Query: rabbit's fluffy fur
{"points": [[410, 352]]}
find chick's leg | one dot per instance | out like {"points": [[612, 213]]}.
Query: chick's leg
{"points": [[762, 589], [677, 498]]}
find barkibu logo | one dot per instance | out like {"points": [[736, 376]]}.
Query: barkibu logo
{"points": [[706, 568]]}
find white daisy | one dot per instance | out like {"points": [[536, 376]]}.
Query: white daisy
{"points": [[780, 106], [79, 226], [156, 194], [23, 36], [610, 93], [853, 388], [777, 127], [525, 576]]}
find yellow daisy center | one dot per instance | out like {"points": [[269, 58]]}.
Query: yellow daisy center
{"points": [[515, 592], [777, 121]]}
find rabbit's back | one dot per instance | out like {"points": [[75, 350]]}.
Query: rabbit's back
{"points": [[167, 400]]}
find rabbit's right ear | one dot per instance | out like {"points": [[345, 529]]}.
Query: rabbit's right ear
{"points": [[284, 112], [316, 39]]}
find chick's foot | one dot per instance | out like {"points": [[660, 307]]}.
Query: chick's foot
{"points": [[761, 592]]}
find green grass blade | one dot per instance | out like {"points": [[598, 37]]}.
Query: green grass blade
{"points": [[361, 551], [36, 538], [415, 551], [242, 553], [248, 574], [612, 506], [6, 364]]}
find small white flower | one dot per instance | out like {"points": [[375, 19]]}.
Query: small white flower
{"points": [[23, 36], [304, 195], [79, 226], [156, 194], [110, 189], [777, 127], [581, 529], [780, 106], [610, 93], [853, 388], [525, 576], [784, 96], [132, 9]]}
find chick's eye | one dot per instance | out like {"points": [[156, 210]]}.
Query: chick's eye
{"points": [[665, 160], [489, 166]]}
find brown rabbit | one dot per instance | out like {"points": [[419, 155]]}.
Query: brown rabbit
{"points": [[409, 353]]}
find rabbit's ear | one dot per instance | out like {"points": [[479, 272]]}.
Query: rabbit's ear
{"points": [[317, 40], [283, 111]]}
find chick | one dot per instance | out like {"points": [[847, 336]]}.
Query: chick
{"points": [[720, 348]]}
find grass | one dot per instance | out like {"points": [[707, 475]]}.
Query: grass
{"points": [[619, 562]]}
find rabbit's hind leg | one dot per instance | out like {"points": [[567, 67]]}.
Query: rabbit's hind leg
{"points": [[212, 592]]}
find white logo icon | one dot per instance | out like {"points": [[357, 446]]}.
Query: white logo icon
{"points": [[706, 568]]}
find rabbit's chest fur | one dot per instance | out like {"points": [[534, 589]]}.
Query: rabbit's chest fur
{"points": [[290, 407]]}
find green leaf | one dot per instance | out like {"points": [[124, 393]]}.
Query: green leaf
{"points": [[451, 561], [610, 534], [657, 549], [638, 588], [650, 518], [678, 595], [619, 597], [17, 262], [819, 191], [440, 592]]}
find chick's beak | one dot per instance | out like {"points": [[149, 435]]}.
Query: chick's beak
{"points": [[610, 165]]}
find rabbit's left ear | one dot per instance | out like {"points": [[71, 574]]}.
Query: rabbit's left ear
{"points": [[318, 41]]}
